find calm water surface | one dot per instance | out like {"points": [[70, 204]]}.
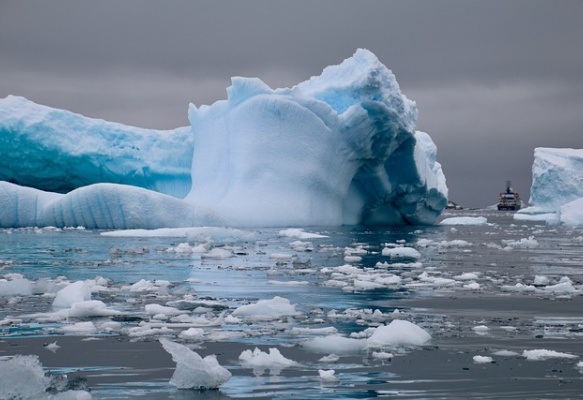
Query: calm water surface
{"points": [[476, 289]]}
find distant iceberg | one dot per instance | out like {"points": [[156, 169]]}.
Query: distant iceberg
{"points": [[556, 195], [340, 148]]}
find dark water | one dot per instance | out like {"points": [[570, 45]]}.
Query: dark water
{"points": [[477, 289]]}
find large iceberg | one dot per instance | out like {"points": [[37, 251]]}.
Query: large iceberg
{"points": [[556, 195], [340, 148]]}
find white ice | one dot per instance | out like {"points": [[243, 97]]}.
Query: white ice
{"points": [[398, 333], [192, 371], [260, 361], [464, 221]]}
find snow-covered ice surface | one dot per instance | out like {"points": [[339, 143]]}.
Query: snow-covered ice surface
{"points": [[479, 311], [339, 148]]}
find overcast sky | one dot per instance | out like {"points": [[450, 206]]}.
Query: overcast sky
{"points": [[492, 79]]}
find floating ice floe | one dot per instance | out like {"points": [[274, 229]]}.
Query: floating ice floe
{"points": [[464, 221], [401, 252], [327, 375], [481, 329], [543, 354], [398, 333], [300, 234], [192, 371], [275, 308], [524, 243], [482, 359], [260, 361]]}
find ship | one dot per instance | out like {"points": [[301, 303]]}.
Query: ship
{"points": [[509, 200]]}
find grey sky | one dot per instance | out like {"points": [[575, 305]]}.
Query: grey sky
{"points": [[492, 79]]}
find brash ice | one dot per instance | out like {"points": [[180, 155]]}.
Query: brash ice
{"points": [[340, 148]]}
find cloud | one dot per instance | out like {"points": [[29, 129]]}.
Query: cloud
{"points": [[492, 79]]}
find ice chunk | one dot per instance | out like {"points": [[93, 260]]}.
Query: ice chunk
{"points": [[90, 308], [193, 371], [75, 292], [266, 309], [482, 359], [327, 375], [22, 377], [260, 361], [341, 148], [53, 347], [399, 333], [401, 252], [192, 334], [465, 221]]}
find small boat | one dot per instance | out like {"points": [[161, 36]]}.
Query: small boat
{"points": [[509, 200]]}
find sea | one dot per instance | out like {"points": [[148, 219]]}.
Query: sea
{"points": [[501, 300]]}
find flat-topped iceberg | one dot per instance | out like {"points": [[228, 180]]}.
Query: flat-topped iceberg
{"points": [[556, 195], [59, 151], [340, 148]]}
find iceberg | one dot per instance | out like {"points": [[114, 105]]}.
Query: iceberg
{"points": [[556, 194], [339, 148]]}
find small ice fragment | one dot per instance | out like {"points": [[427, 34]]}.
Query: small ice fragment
{"points": [[52, 346], [506, 353], [481, 329], [482, 359], [192, 334], [464, 221], [330, 358], [382, 355], [401, 252], [327, 375]]}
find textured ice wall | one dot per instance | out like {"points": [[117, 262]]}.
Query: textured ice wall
{"points": [[557, 177], [58, 151]]}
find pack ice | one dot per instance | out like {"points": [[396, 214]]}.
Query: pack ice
{"points": [[339, 148], [556, 195]]}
